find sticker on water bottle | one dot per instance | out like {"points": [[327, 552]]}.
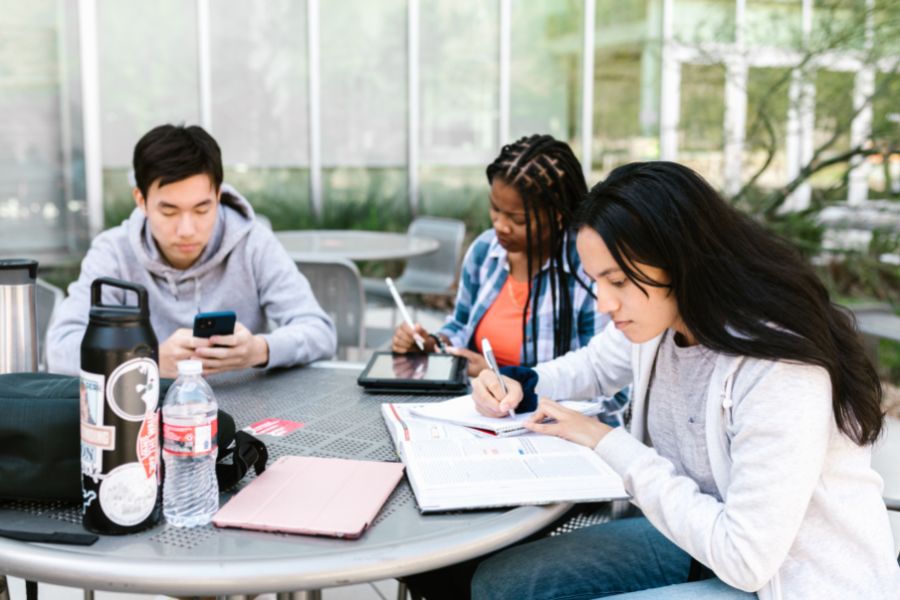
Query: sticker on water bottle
{"points": [[147, 445], [127, 496], [190, 440], [95, 436], [133, 390]]}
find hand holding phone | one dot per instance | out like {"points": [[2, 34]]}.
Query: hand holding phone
{"points": [[208, 324]]}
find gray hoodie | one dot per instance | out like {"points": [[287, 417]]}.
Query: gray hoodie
{"points": [[243, 268]]}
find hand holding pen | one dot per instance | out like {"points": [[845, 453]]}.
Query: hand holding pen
{"points": [[495, 371], [408, 334], [401, 306]]}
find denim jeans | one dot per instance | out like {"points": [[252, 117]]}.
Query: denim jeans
{"points": [[602, 561]]}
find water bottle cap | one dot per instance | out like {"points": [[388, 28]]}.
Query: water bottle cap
{"points": [[190, 367]]}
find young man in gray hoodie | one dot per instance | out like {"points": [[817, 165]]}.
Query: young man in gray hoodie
{"points": [[194, 243]]}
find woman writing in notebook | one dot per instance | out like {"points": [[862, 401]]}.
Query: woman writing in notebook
{"points": [[754, 410], [522, 285]]}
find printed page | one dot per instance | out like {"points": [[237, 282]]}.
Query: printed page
{"points": [[451, 474], [403, 425]]}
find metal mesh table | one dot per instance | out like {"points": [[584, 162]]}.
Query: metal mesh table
{"points": [[340, 420]]}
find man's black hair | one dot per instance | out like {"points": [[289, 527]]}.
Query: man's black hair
{"points": [[171, 153]]}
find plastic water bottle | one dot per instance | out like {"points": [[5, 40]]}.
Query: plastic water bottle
{"points": [[190, 489]]}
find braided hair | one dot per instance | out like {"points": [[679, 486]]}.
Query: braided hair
{"points": [[551, 183]]}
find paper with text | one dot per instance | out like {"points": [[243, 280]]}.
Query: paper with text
{"points": [[451, 468]]}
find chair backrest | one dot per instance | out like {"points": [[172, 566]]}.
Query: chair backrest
{"points": [[337, 286], [436, 271], [46, 298]]}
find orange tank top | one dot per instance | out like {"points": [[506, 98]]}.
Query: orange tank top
{"points": [[502, 323]]}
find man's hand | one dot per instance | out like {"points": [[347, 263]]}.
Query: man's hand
{"points": [[489, 398], [181, 345], [476, 363], [240, 350], [566, 423]]}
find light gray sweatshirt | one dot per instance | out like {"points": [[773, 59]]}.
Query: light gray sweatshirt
{"points": [[801, 515], [243, 268]]}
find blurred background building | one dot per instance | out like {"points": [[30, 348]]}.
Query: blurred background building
{"points": [[351, 113]]}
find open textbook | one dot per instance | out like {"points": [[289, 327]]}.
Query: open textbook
{"points": [[454, 468], [461, 411]]}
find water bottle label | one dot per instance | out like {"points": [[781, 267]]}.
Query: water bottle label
{"points": [[190, 440], [127, 496], [95, 436]]}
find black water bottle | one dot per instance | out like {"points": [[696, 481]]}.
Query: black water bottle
{"points": [[120, 474]]}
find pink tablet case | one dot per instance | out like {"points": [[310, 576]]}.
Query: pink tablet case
{"points": [[313, 496]]}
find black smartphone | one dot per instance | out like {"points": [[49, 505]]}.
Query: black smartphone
{"points": [[214, 323]]}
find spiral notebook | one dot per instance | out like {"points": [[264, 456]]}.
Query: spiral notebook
{"points": [[461, 411], [313, 496]]}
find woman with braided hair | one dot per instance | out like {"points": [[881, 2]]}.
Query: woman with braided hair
{"points": [[522, 285]]}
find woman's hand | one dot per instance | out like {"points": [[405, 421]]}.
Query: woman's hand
{"points": [[489, 397], [569, 424], [476, 363], [404, 340]]}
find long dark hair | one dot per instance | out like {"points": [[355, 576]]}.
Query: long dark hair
{"points": [[740, 289], [549, 179]]}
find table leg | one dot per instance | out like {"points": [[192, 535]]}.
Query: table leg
{"points": [[301, 595], [4, 589], [88, 594]]}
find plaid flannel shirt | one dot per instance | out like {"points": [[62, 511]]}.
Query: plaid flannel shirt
{"points": [[484, 272]]}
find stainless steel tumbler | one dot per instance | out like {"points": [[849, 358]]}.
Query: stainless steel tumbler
{"points": [[18, 326]]}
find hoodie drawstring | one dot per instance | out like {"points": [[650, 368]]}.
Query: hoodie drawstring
{"points": [[173, 289], [197, 294]]}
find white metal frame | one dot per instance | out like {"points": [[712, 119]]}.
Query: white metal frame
{"points": [[587, 89], [90, 90], [204, 66], [315, 130]]}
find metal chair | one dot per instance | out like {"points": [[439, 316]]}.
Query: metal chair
{"points": [[435, 273], [338, 288], [47, 298]]}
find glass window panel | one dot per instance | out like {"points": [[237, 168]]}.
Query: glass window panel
{"points": [[260, 104], [773, 23], [363, 75], [365, 198], [626, 85], [885, 175], [767, 108], [458, 76], [281, 194], [458, 193], [260, 109], [148, 71], [886, 27], [695, 21], [40, 171], [546, 48], [839, 24], [834, 113], [700, 129]]}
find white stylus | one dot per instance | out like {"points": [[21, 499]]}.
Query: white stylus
{"points": [[404, 313]]}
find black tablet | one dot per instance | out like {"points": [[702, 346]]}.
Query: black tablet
{"points": [[415, 373]]}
